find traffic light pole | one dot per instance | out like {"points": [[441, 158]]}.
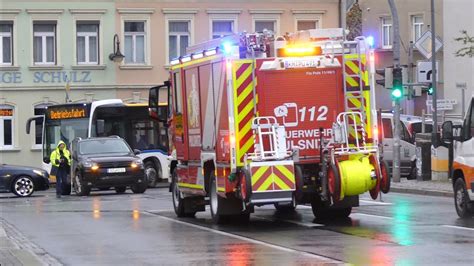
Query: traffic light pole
{"points": [[396, 113], [434, 139]]}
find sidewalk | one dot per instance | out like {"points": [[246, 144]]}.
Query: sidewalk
{"points": [[432, 188], [16, 249]]}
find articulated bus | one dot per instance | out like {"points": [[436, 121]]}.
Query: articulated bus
{"points": [[106, 118]]}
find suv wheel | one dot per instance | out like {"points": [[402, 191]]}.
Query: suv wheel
{"points": [[120, 190], [80, 188], [139, 188]]}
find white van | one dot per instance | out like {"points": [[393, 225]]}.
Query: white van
{"points": [[410, 125]]}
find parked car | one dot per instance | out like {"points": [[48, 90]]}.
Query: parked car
{"points": [[410, 126], [22, 180], [106, 162]]}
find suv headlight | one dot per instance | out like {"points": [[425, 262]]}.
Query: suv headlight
{"points": [[87, 163], [136, 164], [90, 164]]}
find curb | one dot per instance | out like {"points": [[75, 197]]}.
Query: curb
{"points": [[25, 251], [436, 193]]}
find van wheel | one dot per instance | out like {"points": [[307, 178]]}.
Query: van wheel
{"points": [[216, 203], [461, 199], [413, 171]]}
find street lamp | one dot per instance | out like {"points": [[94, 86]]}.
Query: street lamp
{"points": [[116, 56]]}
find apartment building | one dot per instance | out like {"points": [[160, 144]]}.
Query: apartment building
{"points": [[50, 47]]}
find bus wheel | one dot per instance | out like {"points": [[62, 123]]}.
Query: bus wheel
{"points": [[151, 173]]}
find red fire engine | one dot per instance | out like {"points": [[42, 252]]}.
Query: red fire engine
{"points": [[256, 120]]}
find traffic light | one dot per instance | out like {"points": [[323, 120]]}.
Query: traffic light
{"points": [[386, 73], [430, 89], [397, 88]]}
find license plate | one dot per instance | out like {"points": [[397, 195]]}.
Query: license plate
{"points": [[116, 170]]}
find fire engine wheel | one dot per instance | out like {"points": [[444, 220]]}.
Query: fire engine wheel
{"points": [[334, 182], [245, 185], [386, 177], [374, 193], [461, 199], [178, 199], [321, 211], [216, 202], [299, 182], [288, 207]]}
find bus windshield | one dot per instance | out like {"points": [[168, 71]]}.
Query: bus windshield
{"points": [[134, 125], [65, 130]]}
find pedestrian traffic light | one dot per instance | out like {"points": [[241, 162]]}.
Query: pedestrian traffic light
{"points": [[397, 88]]}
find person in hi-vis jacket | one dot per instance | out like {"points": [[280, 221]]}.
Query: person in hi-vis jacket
{"points": [[61, 162]]}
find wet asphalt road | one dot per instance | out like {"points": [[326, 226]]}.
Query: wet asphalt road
{"points": [[130, 229]]}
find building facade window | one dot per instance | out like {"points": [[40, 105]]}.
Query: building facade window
{"points": [[222, 28], [261, 25], [6, 43], [44, 43], [179, 38], [87, 43], [417, 24], [6, 126], [307, 24], [135, 41], [387, 34]]}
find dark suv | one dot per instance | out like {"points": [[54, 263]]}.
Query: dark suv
{"points": [[106, 162]]}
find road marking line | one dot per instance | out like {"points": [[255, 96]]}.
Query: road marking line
{"points": [[370, 202], [458, 227], [254, 241], [370, 215], [289, 221]]}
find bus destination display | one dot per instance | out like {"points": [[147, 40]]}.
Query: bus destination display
{"points": [[67, 112]]}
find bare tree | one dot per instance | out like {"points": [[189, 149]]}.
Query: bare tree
{"points": [[466, 41]]}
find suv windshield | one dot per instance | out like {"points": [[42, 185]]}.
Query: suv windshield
{"points": [[104, 146]]}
